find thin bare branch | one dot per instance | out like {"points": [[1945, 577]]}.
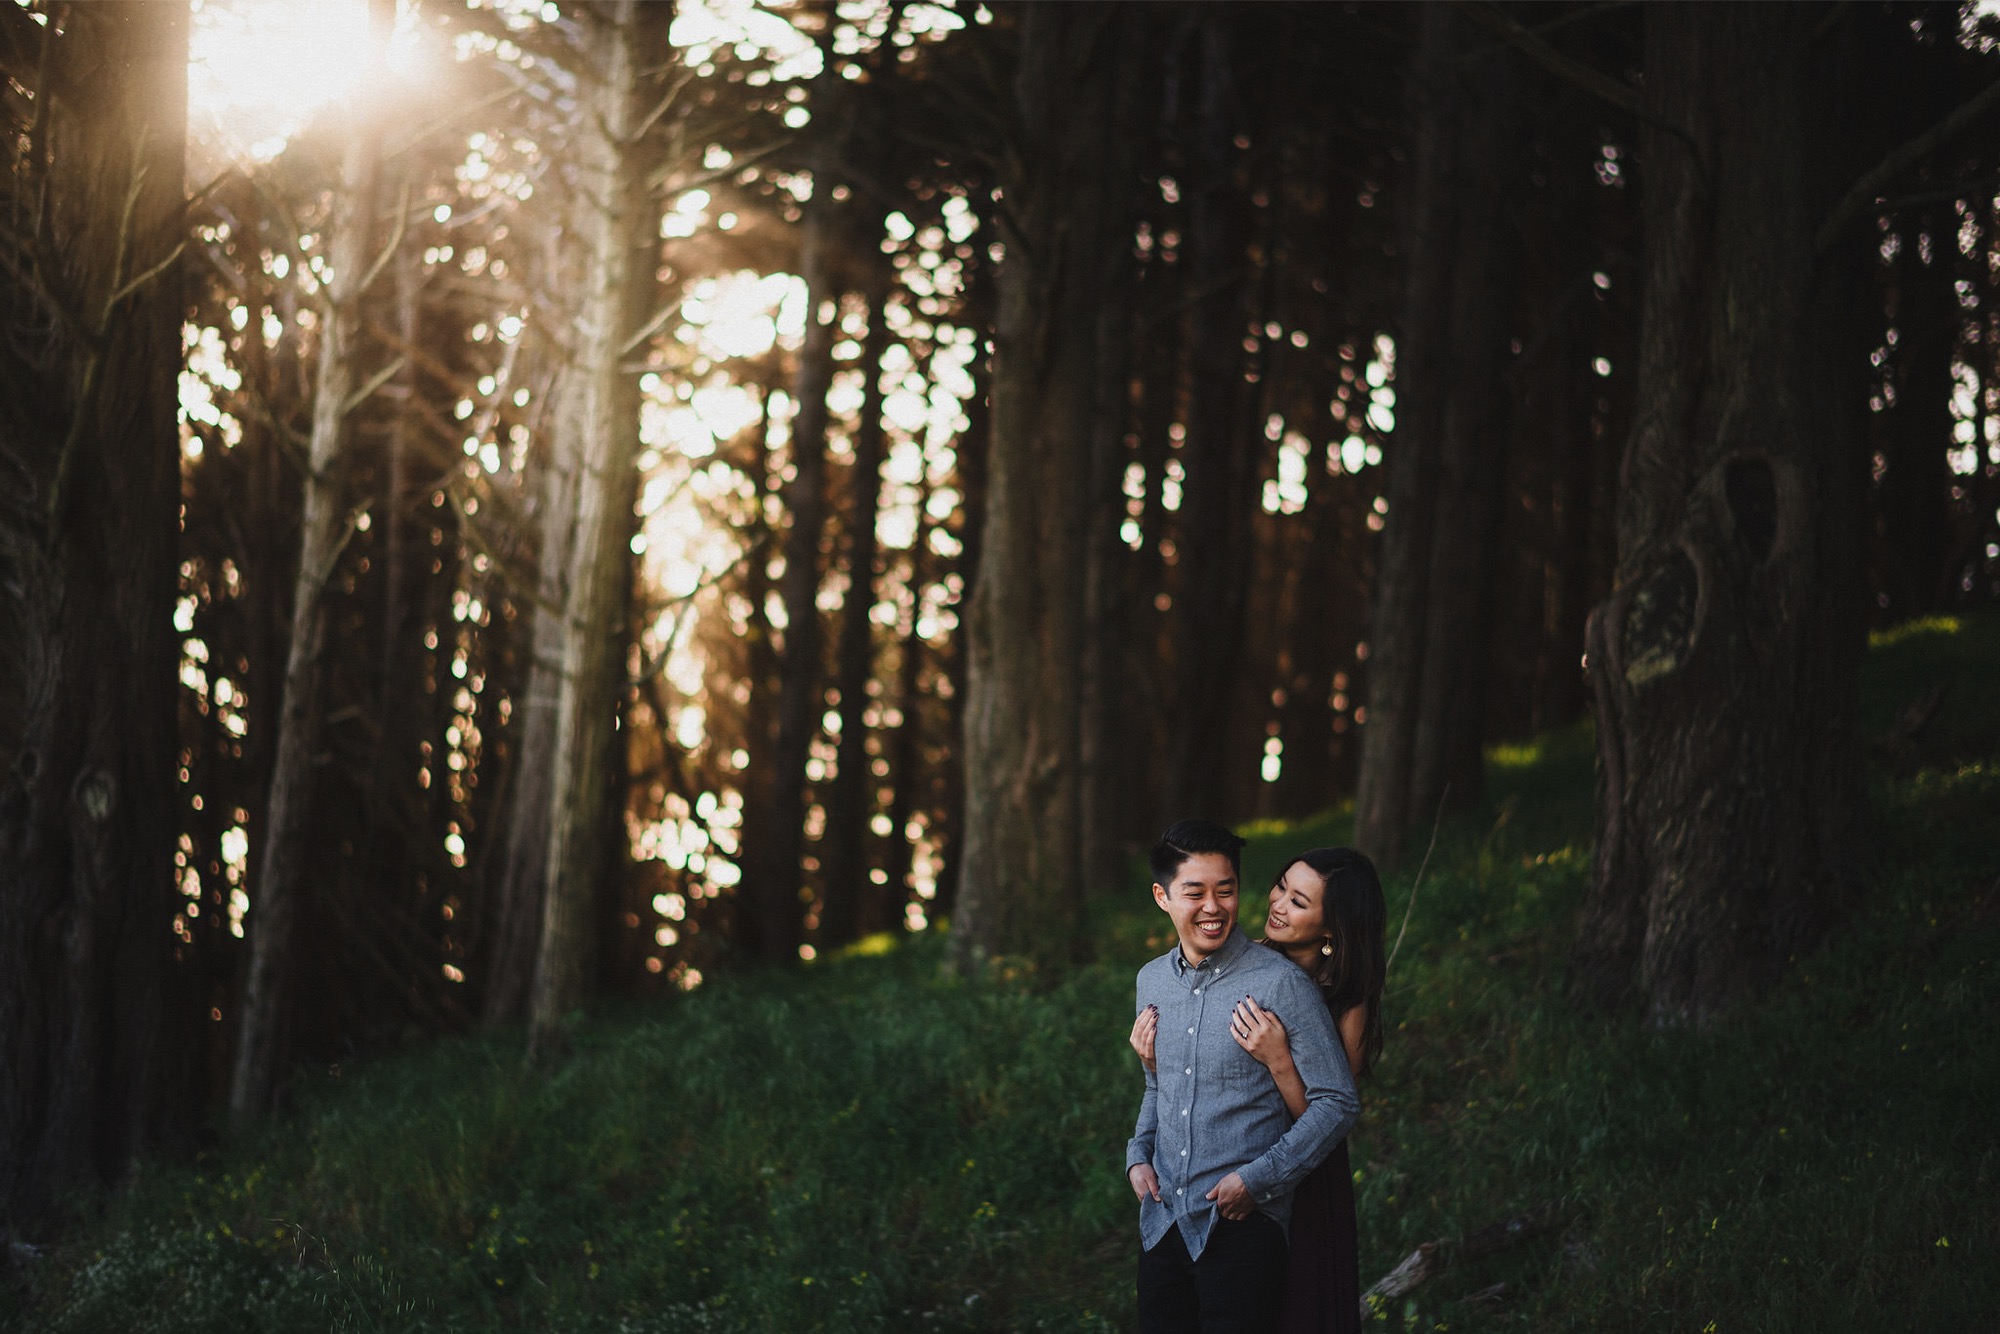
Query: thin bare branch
{"points": [[664, 105], [660, 180], [525, 584], [460, 115], [1584, 76], [658, 662], [649, 328], [129, 288], [1543, 29], [1870, 186], [395, 242], [124, 245], [1536, 48], [375, 382]]}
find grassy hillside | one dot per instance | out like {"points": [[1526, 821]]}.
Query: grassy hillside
{"points": [[870, 1146]]}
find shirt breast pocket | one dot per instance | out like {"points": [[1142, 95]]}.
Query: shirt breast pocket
{"points": [[1240, 1071]]}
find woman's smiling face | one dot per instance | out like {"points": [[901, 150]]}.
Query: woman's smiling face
{"points": [[1298, 907]]}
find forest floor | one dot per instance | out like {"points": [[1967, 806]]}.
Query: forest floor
{"points": [[867, 1145]]}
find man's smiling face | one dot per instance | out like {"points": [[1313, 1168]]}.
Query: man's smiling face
{"points": [[1202, 902]]}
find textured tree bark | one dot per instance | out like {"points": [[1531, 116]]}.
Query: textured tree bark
{"points": [[280, 886], [843, 867], [89, 494], [515, 879], [520, 872], [1428, 650], [598, 427], [1724, 662], [1020, 867]]}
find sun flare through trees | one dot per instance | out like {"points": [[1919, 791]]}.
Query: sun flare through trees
{"points": [[670, 489]]}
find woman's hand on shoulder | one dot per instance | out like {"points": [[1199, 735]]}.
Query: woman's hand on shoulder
{"points": [[1144, 1029], [1261, 1033]]}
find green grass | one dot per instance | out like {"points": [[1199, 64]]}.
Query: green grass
{"points": [[868, 1145]]}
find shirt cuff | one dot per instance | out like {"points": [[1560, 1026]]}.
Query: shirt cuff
{"points": [[1259, 1180]]}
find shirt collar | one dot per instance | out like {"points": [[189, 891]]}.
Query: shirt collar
{"points": [[1218, 962]]}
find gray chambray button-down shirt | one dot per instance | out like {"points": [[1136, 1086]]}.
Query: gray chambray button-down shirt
{"points": [[1211, 1109]]}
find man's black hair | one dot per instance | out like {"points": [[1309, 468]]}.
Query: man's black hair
{"points": [[1185, 839]]}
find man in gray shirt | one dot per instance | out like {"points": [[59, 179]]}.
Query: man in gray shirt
{"points": [[1215, 1157]]}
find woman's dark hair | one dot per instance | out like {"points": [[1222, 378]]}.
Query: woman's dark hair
{"points": [[1351, 970]]}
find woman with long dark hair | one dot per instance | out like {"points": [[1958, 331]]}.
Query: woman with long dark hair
{"points": [[1327, 916]]}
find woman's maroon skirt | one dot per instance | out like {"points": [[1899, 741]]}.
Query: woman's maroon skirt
{"points": [[1323, 1289]]}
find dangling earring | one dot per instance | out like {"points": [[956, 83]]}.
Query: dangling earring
{"points": [[1326, 950]]}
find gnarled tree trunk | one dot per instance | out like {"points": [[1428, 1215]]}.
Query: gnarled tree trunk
{"points": [[1724, 662]]}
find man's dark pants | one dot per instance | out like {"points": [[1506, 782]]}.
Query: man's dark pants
{"points": [[1236, 1287]]}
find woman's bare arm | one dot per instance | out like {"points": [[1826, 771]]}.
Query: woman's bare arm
{"points": [[1353, 1024]]}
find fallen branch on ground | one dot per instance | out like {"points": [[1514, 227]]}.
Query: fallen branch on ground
{"points": [[1434, 1257]]}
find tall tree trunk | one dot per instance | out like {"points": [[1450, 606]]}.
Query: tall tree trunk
{"points": [[971, 449], [1724, 662], [392, 765], [1466, 494], [1427, 685], [1020, 873], [885, 910], [89, 472], [1220, 455], [1560, 397], [759, 667], [383, 886], [1106, 792], [1318, 593], [843, 869], [776, 917], [1401, 609], [519, 876], [599, 428], [1150, 712], [280, 887]]}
